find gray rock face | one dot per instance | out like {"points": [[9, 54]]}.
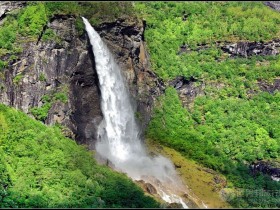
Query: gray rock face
{"points": [[7, 6], [125, 40], [271, 88], [241, 49], [273, 4], [245, 49], [66, 66]]}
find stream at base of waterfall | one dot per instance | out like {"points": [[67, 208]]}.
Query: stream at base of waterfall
{"points": [[118, 133]]}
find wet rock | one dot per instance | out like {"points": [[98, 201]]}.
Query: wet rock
{"points": [[150, 188], [174, 206], [190, 202], [125, 39], [147, 187]]}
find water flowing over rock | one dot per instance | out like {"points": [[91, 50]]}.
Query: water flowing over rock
{"points": [[118, 132], [69, 65]]}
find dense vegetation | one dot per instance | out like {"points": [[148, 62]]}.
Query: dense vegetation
{"points": [[233, 123], [28, 23], [39, 167], [41, 113], [206, 23]]}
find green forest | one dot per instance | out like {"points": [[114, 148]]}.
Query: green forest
{"points": [[225, 129]]}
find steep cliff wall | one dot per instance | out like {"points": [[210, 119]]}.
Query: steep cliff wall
{"points": [[125, 39], [48, 67], [59, 75]]}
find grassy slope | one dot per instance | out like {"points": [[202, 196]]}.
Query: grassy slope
{"points": [[227, 128], [41, 168], [199, 179]]}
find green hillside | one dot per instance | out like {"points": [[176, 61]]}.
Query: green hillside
{"points": [[229, 127], [40, 168]]}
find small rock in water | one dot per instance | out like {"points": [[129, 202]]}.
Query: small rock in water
{"points": [[150, 188], [174, 206]]}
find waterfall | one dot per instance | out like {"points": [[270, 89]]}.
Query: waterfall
{"points": [[118, 133]]}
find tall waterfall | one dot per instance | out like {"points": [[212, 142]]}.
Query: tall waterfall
{"points": [[118, 133]]}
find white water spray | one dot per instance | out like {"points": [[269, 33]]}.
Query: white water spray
{"points": [[118, 133]]}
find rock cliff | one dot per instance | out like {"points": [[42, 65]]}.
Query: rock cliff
{"points": [[66, 66]]}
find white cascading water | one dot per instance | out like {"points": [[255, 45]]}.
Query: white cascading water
{"points": [[118, 132]]}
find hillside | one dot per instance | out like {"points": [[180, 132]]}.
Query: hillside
{"points": [[230, 112], [40, 168], [204, 78]]}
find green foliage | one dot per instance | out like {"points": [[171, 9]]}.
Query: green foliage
{"points": [[228, 127], [32, 20], [3, 64], [42, 77], [62, 8], [61, 96], [80, 26], [95, 12], [206, 23], [8, 32], [40, 168], [41, 113], [17, 79], [98, 12], [29, 22], [49, 34]]}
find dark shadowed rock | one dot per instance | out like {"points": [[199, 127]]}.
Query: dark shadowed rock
{"points": [[150, 188], [270, 168], [246, 49], [187, 89], [264, 86], [147, 187], [174, 206]]}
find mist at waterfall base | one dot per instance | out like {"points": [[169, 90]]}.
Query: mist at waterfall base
{"points": [[118, 133]]}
